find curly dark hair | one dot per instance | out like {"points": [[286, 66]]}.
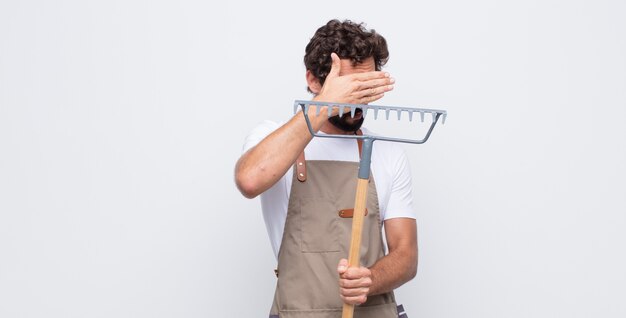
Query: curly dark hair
{"points": [[349, 40]]}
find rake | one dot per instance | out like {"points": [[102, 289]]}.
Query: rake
{"points": [[366, 156]]}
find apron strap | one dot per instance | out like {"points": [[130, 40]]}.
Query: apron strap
{"points": [[359, 141], [301, 167], [301, 161]]}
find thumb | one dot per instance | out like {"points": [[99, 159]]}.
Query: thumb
{"points": [[336, 66], [343, 266]]}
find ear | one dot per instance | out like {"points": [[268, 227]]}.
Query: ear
{"points": [[313, 82]]}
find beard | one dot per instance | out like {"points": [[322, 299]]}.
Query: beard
{"points": [[344, 122]]}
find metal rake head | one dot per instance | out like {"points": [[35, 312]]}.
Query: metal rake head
{"points": [[352, 108]]}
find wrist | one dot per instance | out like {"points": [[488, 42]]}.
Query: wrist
{"points": [[317, 118]]}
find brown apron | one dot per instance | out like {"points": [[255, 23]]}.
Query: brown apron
{"points": [[316, 237]]}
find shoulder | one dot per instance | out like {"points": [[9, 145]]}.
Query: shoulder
{"points": [[265, 127]]}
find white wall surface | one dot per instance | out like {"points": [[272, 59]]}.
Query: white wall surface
{"points": [[121, 121]]}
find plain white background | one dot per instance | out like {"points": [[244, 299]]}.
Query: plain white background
{"points": [[121, 122]]}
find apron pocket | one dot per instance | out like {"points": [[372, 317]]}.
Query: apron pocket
{"points": [[319, 229]]}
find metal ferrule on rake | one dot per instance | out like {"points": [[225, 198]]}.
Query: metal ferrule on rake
{"points": [[367, 139]]}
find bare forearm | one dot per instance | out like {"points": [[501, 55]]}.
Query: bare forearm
{"points": [[263, 165], [393, 270]]}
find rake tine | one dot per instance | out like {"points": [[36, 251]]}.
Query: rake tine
{"points": [[305, 106], [352, 108]]}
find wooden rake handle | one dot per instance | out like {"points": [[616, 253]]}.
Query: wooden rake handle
{"points": [[357, 229]]}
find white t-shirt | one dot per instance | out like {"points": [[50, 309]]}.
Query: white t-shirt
{"points": [[389, 168]]}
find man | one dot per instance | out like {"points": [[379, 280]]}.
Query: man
{"points": [[304, 182]]}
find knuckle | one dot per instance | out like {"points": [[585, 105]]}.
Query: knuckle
{"points": [[368, 282]]}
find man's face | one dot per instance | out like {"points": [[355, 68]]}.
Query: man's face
{"points": [[345, 122]]}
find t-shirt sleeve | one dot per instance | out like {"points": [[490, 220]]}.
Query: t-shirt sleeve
{"points": [[259, 133], [401, 198]]}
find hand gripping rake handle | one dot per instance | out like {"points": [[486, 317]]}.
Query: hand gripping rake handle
{"points": [[364, 165]]}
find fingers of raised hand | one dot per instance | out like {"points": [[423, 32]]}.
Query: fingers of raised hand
{"points": [[373, 88], [376, 82], [366, 76], [373, 91], [356, 88]]}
